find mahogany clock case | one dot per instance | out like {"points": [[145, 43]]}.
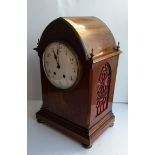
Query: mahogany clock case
{"points": [[74, 111]]}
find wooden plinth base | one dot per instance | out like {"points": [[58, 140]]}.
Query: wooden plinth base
{"points": [[83, 135]]}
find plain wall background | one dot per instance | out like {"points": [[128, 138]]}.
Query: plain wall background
{"points": [[41, 12]]}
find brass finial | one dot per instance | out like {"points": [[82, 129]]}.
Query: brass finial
{"points": [[118, 46], [36, 48], [92, 54]]}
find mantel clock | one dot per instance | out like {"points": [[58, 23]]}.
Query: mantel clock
{"points": [[78, 63]]}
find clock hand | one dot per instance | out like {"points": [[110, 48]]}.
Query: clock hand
{"points": [[58, 65], [56, 58], [57, 51]]}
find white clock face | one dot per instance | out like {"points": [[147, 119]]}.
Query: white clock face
{"points": [[61, 65]]}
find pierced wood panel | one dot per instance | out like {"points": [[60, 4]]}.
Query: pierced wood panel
{"points": [[103, 87]]}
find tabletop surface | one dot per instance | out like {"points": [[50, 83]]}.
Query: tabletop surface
{"points": [[44, 140]]}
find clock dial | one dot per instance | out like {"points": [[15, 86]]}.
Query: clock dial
{"points": [[61, 65]]}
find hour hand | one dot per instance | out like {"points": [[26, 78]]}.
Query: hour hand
{"points": [[55, 56]]}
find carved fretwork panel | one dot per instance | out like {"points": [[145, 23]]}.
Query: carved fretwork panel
{"points": [[103, 87]]}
